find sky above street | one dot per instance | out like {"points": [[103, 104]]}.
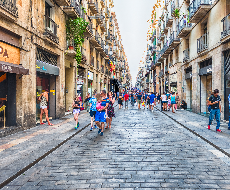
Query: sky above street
{"points": [[132, 17]]}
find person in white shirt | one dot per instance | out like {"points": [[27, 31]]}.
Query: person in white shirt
{"points": [[164, 101]]}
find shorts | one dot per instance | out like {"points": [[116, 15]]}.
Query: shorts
{"points": [[148, 103], [173, 102], [164, 102], [43, 107], [100, 116], [152, 103], [139, 101], [92, 113], [75, 111]]}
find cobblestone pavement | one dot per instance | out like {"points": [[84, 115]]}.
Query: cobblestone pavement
{"points": [[143, 150]]}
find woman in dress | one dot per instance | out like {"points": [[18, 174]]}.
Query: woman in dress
{"points": [[44, 98], [173, 101], [110, 110], [76, 110]]}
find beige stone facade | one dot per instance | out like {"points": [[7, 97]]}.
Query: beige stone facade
{"points": [[193, 50], [34, 34]]}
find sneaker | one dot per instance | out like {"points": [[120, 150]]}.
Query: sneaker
{"points": [[101, 133], [95, 126], [91, 129], [218, 130], [78, 124], [209, 127], [76, 127]]}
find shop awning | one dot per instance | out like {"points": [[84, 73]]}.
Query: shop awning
{"points": [[13, 68], [47, 68]]}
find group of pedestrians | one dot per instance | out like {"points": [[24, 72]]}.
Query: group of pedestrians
{"points": [[101, 109], [170, 100]]}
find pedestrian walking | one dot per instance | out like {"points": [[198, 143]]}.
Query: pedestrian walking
{"points": [[93, 109], [126, 97], [120, 101], [44, 98], [173, 101], [139, 99], [102, 105], [110, 110], [158, 98], [177, 105], [152, 98], [87, 98], [132, 99], [148, 101], [164, 101], [76, 110], [214, 101]]}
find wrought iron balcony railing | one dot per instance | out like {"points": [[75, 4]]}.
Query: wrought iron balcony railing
{"points": [[226, 26], [173, 37], [102, 69], [97, 64], [51, 29], [183, 23], [92, 61], [10, 6], [202, 43], [195, 5], [186, 55]]}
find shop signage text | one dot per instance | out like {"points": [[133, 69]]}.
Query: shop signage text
{"points": [[9, 53], [6, 68]]}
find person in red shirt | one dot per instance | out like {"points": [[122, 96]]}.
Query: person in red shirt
{"points": [[126, 96]]}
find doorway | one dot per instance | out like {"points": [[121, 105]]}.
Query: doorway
{"points": [[227, 84]]}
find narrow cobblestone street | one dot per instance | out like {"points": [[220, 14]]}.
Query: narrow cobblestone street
{"points": [[142, 150]]}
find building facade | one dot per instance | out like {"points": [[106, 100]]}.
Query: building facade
{"points": [[35, 56], [192, 50]]}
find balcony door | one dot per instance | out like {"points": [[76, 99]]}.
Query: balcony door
{"points": [[227, 84]]}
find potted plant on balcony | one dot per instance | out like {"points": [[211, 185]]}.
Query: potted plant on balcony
{"points": [[75, 29], [176, 13]]}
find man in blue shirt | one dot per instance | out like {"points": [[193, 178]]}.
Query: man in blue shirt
{"points": [[92, 102], [100, 117], [139, 99], [152, 98]]}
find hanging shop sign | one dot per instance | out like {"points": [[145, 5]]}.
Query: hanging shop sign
{"points": [[9, 53], [90, 75], [43, 67]]}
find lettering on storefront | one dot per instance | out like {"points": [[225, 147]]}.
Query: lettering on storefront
{"points": [[6, 68], [9, 53]]}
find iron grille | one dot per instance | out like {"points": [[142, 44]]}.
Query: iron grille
{"points": [[46, 57]]}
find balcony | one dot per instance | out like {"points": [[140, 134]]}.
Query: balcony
{"points": [[107, 71], [63, 2], [165, 29], [166, 2], [225, 35], [70, 49], [184, 27], [74, 10], [103, 27], [50, 33], [202, 43], [161, 73], [99, 19], [198, 9], [92, 61], [93, 6], [173, 40], [174, 5], [186, 56], [158, 41], [96, 39], [165, 50], [169, 21], [102, 69], [162, 36], [153, 50], [8, 9], [89, 29]]}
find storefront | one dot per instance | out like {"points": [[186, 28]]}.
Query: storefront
{"points": [[188, 89], [205, 73], [47, 71], [90, 83], [9, 68], [227, 84]]}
